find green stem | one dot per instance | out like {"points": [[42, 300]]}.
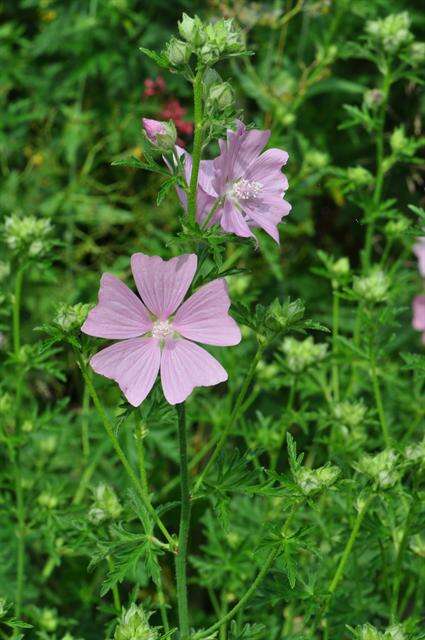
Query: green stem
{"points": [[397, 569], [335, 331], [121, 455], [344, 558], [115, 592], [197, 145], [379, 403], [233, 418], [379, 179], [258, 580], [181, 557], [85, 440], [20, 505], [145, 485]]}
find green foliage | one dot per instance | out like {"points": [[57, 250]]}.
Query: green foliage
{"points": [[337, 371]]}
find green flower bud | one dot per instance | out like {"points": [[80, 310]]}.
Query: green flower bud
{"points": [[134, 625], [71, 317], [373, 98], [48, 619], [209, 54], [351, 414], [368, 632], [221, 96], [415, 452], [359, 176], [302, 354], [28, 235], [191, 30], [398, 140], [374, 287], [316, 159], [381, 468], [106, 505], [312, 481], [416, 53], [47, 500], [48, 444], [177, 52], [392, 33], [397, 228]]}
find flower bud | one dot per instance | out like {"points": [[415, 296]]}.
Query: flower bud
{"points": [[368, 632], [415, 453], [106, 505], [27, 235], [316, 159], [192, 30], [301, 354], [221, 96], [177, 52], [162, 135], [359, 176], [416, 53], [71, 317], [209, 54], [391, 33], [48, 619], [373, 98], [312, 481], [47, 500], [134, 625], [374, 287], [381, 468], [398, 140], [351, 414], [397, 228]]}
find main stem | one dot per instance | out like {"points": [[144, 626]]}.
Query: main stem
{"points": [[197, 145], [379, 181], [344, 558], [121, 455], [335, 331], [181, 557], [235, 414], [20, 506], [379, 403]]}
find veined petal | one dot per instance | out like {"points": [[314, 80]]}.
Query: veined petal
{"points": [[266, 169], [162, 284], [204, 316], [133, 363], [119, 312], [184, 366], [233, 221], [266, 216]]}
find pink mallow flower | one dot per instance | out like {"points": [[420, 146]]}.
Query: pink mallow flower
{"points": [[247, 182], [419, 250], [159, 331], [419, 315]]}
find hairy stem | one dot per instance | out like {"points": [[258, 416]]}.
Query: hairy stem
{"points": [[339, 573], [379, 179], [181, 557], [379, 403], [121, 455], [20, 505], [233, 418], [335, 331], [197, 145]]}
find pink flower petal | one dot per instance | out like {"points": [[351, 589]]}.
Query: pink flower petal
{"points": [[133, 363], [419, 313], [241, 149], [233, 221], [419, 250], [163, 284], [267, 216], [119, 312], [184, 366], [204, 318], [266, 169]]}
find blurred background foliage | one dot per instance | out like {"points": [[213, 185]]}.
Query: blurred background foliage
{"points": [[73, 89]]}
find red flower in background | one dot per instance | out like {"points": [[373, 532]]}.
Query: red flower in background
{"points": [[171, 109]]}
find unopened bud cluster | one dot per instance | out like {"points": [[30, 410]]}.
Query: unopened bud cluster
{"points": [[301, 354], [391, 33], [369, 632], [106, 505], [134, 625], [312, 481], [373, 287], [28, 235], [209, 42], [71, 316], [162, 135], [381, 468]]}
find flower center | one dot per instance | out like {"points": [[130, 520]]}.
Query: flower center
{"points": [[162, 329], [245, 189]]}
